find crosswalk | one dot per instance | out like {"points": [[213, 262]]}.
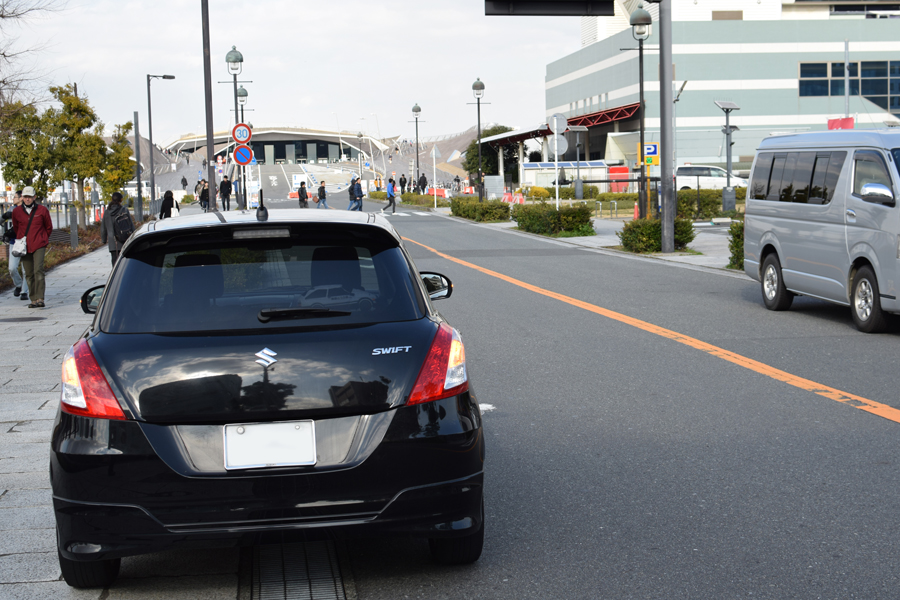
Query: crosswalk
{"points": [[416, 213]]}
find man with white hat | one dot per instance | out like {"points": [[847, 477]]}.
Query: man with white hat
{"points": [[32, 221]]}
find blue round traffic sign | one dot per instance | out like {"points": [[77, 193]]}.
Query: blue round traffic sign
{"points": [[243, 154]]}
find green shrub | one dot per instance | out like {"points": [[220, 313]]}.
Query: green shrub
{"points": [[544, 219], [489, 210], [620, 197], [710, 203], [377, 195], [188, 199], [421, 200], [736, 245], [645, 235]]}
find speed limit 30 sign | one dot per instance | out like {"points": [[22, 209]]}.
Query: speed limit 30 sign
{"points": [[241, 133]]}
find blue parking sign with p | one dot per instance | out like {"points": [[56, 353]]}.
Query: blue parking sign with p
{"points": [[651, 149]]}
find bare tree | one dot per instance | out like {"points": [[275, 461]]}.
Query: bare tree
{"points": [[19, 78]]}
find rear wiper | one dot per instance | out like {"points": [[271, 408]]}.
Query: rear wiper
{"points": [[278, 314]]}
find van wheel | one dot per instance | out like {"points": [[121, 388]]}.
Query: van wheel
{"points": [[685, 188], [866, 304], [93, 574], [775, 295]]}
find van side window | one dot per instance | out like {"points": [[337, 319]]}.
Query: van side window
{"points": [[774, 192], [869, 167], [787, 180], [825, 175], [802, 176], [759, 182]]}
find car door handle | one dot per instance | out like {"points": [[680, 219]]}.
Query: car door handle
{"points": [[851, 213]]}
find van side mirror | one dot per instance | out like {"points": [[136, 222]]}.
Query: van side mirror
{"points": [[437, 285], [877, 192], [90, 300]]}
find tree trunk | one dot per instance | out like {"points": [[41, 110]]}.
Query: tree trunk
{"points": [[82, 221]]}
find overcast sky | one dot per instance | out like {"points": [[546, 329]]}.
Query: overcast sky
{"points": [[307, 60]]}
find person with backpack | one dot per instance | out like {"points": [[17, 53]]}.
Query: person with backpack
{"points": [[32, 222], [302, 195], [358, 192], [9, 236], [403, 184], [117, 226], [423, 184], [184, 183]]}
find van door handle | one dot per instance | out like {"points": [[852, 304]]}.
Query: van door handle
{"points": [[851, 213]]}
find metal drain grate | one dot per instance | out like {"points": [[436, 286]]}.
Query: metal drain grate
{"points": [[304, 571]]}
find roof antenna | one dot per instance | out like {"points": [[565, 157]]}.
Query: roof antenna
{"points": [[262, 213]]}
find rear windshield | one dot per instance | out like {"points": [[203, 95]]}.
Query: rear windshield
{"points": [[210, 283]]}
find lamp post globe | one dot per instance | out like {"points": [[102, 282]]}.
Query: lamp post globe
{"points": [[235, 61], [640, 22], [242, 95], [478, 88]]}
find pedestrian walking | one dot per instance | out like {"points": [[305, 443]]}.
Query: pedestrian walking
{"points": [[34, 223], [204, 195], [184, 183], [302, 195], [9, 237], [108, 226], [403, 183], [168, 204], [358, 192], [423, 184], [351, 191], [390, 197], [322, 202], [225, 192]]}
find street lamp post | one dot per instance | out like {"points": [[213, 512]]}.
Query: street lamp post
{"points": [[728, 195], [235, 62], [359, 137], [340, 139], [579, 185], [152, 196], [416, 110], [242, 100], [640, 29], [478, 92]]}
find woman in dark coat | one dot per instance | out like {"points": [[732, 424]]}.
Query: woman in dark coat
{"points": [[204, 196], [107, 231], [165, 211]]}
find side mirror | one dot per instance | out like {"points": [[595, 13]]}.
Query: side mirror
{"points": [[876, 192], [437, 286], [90, 300]]}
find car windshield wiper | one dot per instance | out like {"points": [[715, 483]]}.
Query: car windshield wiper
{"points": [[278, 314]]}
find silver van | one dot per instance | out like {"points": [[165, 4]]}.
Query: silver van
{"points": [[822, 221]]}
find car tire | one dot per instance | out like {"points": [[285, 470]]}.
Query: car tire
{"points": [[865, 303], [366, 305], [89, 574], [775, 295], [686, 188], [459, 550]]}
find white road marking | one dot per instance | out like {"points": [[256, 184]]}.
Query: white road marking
{"points": [[487, 408]]}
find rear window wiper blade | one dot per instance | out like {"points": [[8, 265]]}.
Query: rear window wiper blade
{"points": [[278, 314]]}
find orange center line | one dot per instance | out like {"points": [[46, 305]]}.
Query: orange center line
{"points": [[876, 408]]}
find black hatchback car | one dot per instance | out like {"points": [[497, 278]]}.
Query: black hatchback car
{"points": [[212, 402]]}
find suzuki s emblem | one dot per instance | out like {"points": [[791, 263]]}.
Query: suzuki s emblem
{"points": [[266, 357]]}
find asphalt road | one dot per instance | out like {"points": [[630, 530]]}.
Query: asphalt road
{"points": [[625, 464]]}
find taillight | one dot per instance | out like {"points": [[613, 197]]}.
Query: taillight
{"points": [[444, 372], [85, 391]]}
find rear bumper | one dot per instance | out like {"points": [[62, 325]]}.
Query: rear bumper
{"points": [[115, 495], [94, 531]]}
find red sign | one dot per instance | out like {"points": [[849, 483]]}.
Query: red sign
{"points": [[845, 123], [241, 133]]}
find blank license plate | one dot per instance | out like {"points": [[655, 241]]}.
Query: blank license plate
{"points": [[254, 445]]}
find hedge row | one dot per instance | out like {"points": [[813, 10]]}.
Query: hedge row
{"points": [[544, 219], [710, 201], [489, 210], [565, 193], [645, 235]]}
